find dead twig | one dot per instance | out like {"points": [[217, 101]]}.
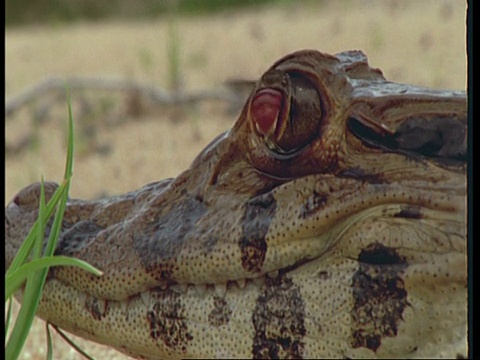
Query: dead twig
{"points": [[156, 94], [52, 90]]}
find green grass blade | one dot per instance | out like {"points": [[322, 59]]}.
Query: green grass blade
{"points": [[71, 343], [32, 292], [35, 270], [57, 223], [69, 163], [38, 244], [58, 219], [49, 355], [27, 245], [24, 251], [13, 282], [8, 316]]}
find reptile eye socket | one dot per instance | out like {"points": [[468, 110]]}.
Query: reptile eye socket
{"points": [[305, 114], [287, 119]]}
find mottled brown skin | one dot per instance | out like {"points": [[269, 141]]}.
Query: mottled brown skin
{"points": [[335, 228]]}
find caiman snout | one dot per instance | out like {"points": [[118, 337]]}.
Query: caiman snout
{"points": [[20, 215]]}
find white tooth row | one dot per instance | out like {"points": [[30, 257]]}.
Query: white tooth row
{"points": [[218, 289], [201, 289]]}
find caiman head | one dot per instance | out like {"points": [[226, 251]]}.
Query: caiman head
{"points": [[329, 221]]}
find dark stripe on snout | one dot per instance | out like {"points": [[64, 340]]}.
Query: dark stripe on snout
{"points": [[167, 320], [255, 222], [77, 237], [160, 236], [379, 295], [279, 321]]}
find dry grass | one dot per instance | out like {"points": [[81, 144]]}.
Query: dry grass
{"points": [[420, 42]]}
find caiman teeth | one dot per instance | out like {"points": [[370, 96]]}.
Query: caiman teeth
{"points": [[272, 274], [241, 283], [258, 282], [145, 296], [180, 288], [163, 286], [201, 289], [123, 306], [82, 298], [220, 289]]}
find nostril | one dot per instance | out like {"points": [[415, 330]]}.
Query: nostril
{"points": [[28, 197]]}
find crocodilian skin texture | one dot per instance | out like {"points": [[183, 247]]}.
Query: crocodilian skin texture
{"points": [[329, 221]]}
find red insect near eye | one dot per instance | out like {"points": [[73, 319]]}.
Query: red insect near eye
{"points": [[265, 108]]}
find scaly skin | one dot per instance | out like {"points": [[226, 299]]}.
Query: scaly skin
{"points": [[329, 221]]}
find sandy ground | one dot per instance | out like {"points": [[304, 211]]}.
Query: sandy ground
{"points": [[419, 42]]}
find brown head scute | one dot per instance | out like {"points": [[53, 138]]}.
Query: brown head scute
{"points": [[379, 296], [259, 212], [279, 321]]}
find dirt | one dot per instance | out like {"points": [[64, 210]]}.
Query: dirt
{"points": [[418, 42]]}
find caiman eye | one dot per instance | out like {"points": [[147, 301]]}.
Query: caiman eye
{"points": [[290, 118], [304, 117], [265, 110]]}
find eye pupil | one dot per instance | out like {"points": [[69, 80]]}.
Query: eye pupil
{"points": [[265, 108]]}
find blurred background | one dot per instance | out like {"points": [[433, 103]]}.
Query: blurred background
{"points": [[22, 12], [124, 139]]}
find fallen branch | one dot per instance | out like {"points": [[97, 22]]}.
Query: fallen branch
{"points": [[51, 90], [230, 93]]}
